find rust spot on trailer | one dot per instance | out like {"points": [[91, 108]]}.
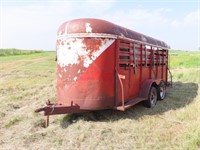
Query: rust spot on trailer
{"points": [[92, 44]]}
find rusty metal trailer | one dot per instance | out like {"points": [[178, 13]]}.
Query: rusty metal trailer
{"points": [[101, 65]]}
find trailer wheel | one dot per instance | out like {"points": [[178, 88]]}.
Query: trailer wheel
{"points": [[152, 98], [161, 90]]}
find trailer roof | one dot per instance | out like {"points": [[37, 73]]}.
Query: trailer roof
{"points": [[89, 25]]}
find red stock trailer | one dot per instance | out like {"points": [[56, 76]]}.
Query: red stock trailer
{"points": [[101, 65]]}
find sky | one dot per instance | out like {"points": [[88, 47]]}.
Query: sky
{"points": [[33, 24]]}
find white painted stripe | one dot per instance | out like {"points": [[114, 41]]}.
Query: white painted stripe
{"points": [[82, 35]]}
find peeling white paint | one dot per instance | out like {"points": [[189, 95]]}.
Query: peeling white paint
{"points": [[60, 75], [65, 70], [88, 28], [143, 39], [69, 52], [72, 51], [75, 78], [122, 35]]}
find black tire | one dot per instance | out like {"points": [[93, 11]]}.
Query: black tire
{"points": [[152, 98], [161, 90]]}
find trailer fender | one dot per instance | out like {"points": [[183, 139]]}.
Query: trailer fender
{"points": [[146, 86]]}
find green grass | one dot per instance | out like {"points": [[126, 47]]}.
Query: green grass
{"points": [[8, 52], [185, 66], [187, 75], [12, 122], [28, 80], [191, 138], [184, 59], [22, 54]]}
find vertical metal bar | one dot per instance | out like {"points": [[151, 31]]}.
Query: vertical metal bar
{"points": [[162, 64], [145, 56], [141, 48], [153, 57], [120, 80], [167, 57], [157, 63], [116, 71], [130, 55], [134, 56], [46, 121], [154, 61], [151, 62], [130, 62]]}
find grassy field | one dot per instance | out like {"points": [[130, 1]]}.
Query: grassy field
{"points": [[28, 80], [184, 59], [7, 52]]}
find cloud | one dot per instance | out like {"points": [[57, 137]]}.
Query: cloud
{"points": [[179, 33], [34, 25], [98, 5], [39, 17], [189, 20], [139, 18], [40, 21], [192, 17], [93, 8], [20, 23]]}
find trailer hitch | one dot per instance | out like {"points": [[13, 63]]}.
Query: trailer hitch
{"points": [[55, 109]]}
